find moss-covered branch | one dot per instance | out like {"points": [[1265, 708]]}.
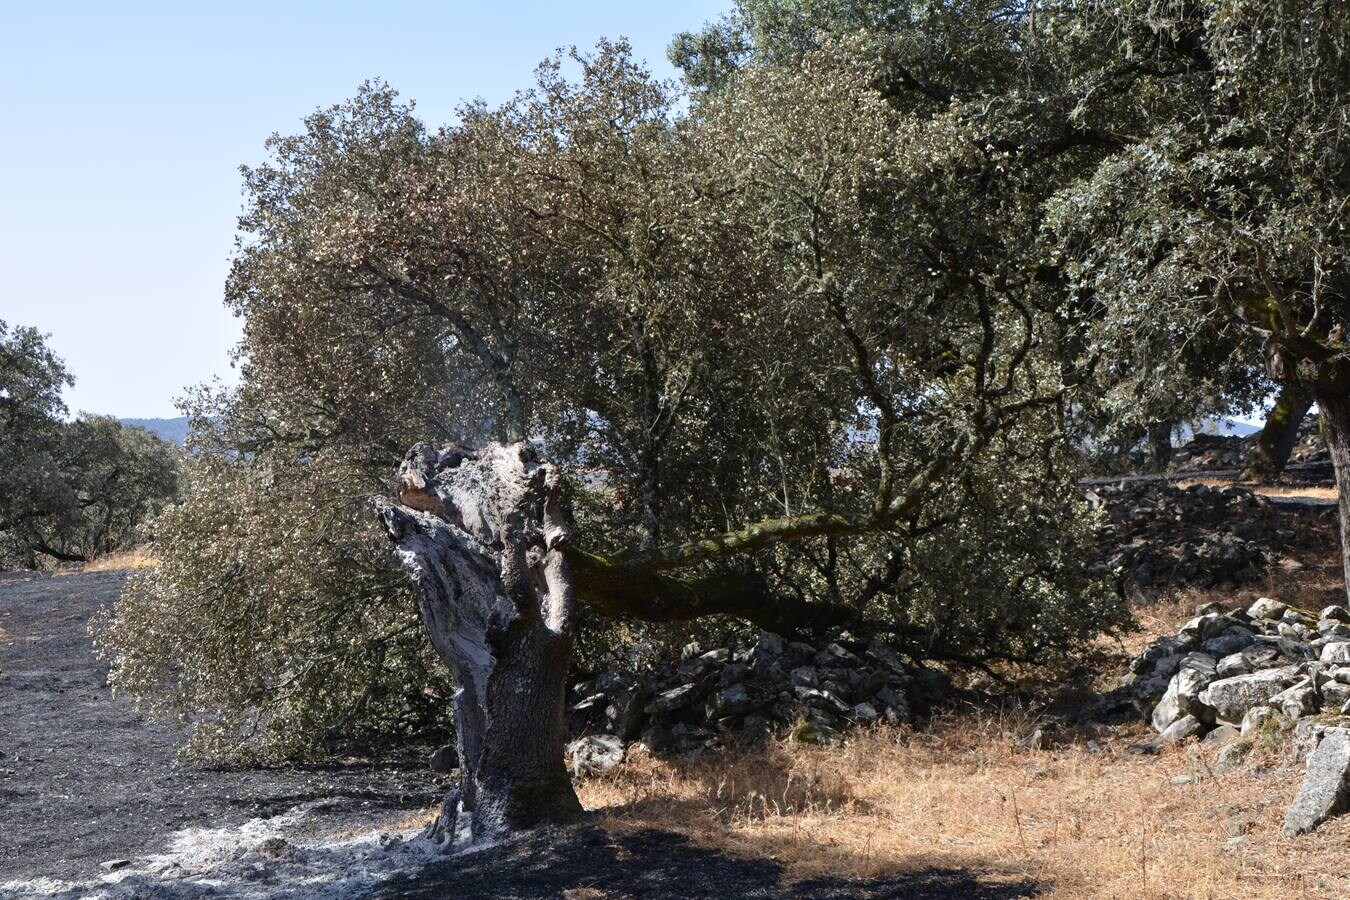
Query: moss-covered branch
{"points": [[613, 587], [766, 533]]}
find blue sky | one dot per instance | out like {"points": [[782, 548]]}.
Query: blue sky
{"points": [[125, 124]]}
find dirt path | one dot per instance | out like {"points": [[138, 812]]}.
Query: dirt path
{"points": [[83, 778], [1294, 473]]}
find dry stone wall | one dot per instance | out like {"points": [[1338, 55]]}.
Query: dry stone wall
{"points": [[1229, 675]]}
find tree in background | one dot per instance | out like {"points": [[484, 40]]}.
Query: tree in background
{"points": [[1224, 206], [69, 491], [31, 411], [1042, 62]]}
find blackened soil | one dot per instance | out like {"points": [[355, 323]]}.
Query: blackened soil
{"points": [[84, 778], [591, 863]]}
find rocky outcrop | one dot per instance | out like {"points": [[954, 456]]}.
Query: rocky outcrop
{"points": [[1182, 698], [1230, 699], [1212, 452], [712, 696], [1156, 534], [1325, 791], [1264, 667], [594, 753]]}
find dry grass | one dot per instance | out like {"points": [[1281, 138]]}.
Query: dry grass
{"points": [[1080, 822], [1315, 492], [135, 558]]}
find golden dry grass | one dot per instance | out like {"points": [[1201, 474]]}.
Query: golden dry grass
{"points": [[1080, 822], [135, 558], [1083, 820], [1316, 492]]}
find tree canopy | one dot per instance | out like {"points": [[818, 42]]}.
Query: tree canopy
{"points": [[820, 341], [31, 378]]}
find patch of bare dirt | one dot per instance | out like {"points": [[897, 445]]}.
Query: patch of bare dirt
{"points": [[93, 805]]}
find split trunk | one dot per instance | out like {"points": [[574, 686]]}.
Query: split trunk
{"points": [[482, 536], [1270, 453]]}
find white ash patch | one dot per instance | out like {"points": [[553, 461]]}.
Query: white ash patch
{"points": [[291, 855]]}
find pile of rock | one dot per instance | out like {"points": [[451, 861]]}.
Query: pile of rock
{"points": [[1211, 453], [1215, 453], [713, 696], [1158, 534], [1228, 676], [1310, 448]]}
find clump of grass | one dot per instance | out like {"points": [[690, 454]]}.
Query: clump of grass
{"points": [[135, 558]]}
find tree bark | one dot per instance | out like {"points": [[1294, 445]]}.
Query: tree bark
{"points": [[1279, 434], [1160, 445], [483, 538], [1336, 427]]}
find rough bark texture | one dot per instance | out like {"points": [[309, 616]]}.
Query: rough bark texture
{"points": [[1160, 445], [483, 538], [1336, 427], [1278, 436]]}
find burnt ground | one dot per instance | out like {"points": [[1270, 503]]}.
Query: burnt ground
{"points": [[587, 862], [84, 780]]}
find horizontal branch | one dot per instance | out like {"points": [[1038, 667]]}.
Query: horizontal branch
{"points": [[763, 534], [619, 588]]}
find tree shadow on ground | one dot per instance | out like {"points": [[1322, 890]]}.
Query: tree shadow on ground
{"points": [[586, 861]]}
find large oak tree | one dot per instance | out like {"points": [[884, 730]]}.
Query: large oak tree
{"points": [[784, 355], [820, 348]]}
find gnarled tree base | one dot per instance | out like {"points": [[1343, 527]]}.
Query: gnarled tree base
{"points": [[482, 537]]}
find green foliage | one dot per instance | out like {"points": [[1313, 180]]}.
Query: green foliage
{"points": [[798, 298], [117, 478], [31, 378], [1220, 219], [275, 624], [1199, 144], [69, 491]]}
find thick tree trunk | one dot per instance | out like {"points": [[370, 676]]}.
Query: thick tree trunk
{"points": [[1160, 445], [1278, 436], [483, 538], [1336, 428]]}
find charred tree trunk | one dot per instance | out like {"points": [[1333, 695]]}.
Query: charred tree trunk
{"points": [[1278, 436], [483, 538], [1336, 428]]}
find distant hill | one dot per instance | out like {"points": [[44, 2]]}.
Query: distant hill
{"points": [[1220, 427], [172, 430]]}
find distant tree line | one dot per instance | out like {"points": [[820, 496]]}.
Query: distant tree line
{"points": [[70, 491]]}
